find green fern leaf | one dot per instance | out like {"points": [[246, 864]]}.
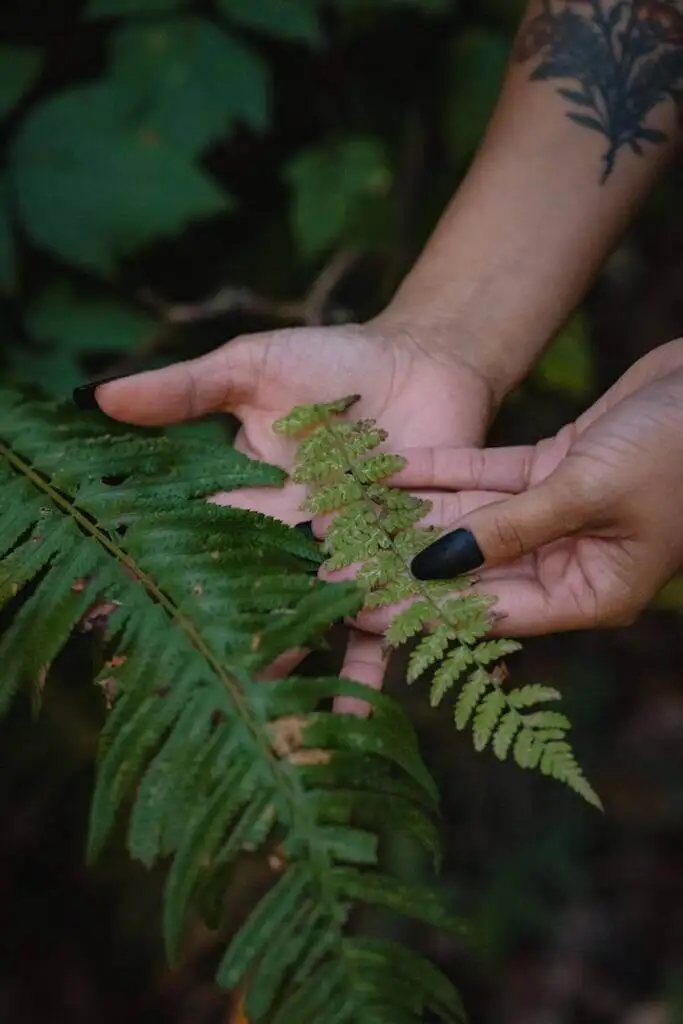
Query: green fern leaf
{"points": [[427, 986], [470, 695], [408, 901], [429, 651], [409, 623], [449, 672], [487, 716], [505, 734], [527, 696], [200, 599]]}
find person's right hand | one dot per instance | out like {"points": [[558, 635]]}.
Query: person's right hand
{"points": [[419, 397]]}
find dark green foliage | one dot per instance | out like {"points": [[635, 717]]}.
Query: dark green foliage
{"points": [[194, 602], [377, 528], [247, 131]]}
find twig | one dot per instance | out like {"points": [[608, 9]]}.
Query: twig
{"points": [[310, 310]]}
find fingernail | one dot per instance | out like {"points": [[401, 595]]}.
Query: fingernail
{"points": [[449, 556], [306, 528], [84, 396]]}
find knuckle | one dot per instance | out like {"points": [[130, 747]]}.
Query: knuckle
{"points": [[431, 466], [509, 537], [192, 398], [477, 468]]}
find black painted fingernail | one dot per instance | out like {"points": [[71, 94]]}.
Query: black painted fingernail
{"points": [[449, 556], [307, 529], [84, 396]]}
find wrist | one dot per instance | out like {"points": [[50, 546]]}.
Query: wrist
{"points": [[457, 341]]}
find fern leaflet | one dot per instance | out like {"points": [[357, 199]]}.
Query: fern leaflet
{"points": [[377, 526]]}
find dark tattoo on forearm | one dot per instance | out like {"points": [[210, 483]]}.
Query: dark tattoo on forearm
{"points": [[627, 58]]}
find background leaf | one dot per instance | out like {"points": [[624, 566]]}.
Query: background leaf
{"points": [[285, 19], [328, 183], [568, 364], [93, 187], [79, 323], [110, 8], [8, 266], [429, 6], [190, 81], [19, 68], [476, 66]]}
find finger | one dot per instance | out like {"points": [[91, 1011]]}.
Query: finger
{"points": [[365, 661], [283, 665], [446, 507], [489, 469], [283, 503], [218, 382], [525, 608], [505, 530]]}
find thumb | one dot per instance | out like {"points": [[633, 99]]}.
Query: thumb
{"points": [[505, 530], [217, 382]]}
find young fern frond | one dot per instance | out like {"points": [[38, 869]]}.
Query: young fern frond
{"points": [[199, 600], [377, 528]]}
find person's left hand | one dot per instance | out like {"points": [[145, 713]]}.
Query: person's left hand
{"points": [[594, 529]]}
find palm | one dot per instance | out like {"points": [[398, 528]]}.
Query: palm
{"points": [[568, 573], [415, 399]]}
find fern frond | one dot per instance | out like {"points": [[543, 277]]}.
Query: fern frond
{"points": [[376, 527], [201, 599]]}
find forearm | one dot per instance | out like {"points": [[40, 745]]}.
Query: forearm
{"points": [[587, 118]]}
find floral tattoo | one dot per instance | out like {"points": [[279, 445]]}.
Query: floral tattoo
{"points": [[622, 59]]}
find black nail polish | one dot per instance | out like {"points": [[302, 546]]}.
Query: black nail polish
{"points": [[84, 396], [451, 555], [306, 529]]}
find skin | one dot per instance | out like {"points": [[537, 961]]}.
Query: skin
{"points": [[521, 241], [593, 530], [262, 377]]}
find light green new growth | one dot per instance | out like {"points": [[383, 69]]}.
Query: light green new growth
{"points": [[376, 526]]}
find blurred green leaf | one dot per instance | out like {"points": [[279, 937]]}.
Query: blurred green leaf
{"points": [[285, 19], [67, 325], [92, 187], [79, 323], [328, 185], [19, 68], [674, 996], [190, 80], [56, 372], [670, 597], [476, 67], [430, 6], [568, 364], [110, 8], [8, 265]]}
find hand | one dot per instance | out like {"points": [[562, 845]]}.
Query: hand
{"points": [[594, 529], [420, 398]]}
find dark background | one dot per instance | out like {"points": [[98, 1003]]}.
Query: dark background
{"points": [[338, 131]]}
